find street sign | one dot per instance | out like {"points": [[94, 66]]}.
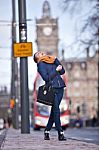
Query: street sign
{"points": [[23, 49]]}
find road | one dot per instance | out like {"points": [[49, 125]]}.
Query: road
{"points": [[90, 135]]}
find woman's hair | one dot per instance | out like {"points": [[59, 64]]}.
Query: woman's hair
{"points": [[35, 58]]}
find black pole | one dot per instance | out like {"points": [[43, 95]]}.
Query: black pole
{"points": [[98, 77], [14, 73], [16, 108], [23, 70]]}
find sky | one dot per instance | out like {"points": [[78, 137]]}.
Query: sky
{"points": [[34, 10]]}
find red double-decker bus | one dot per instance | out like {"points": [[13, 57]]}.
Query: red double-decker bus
{"points": [[41, 112]]}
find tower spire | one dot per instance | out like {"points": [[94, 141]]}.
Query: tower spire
{"points": [[46, 9]]}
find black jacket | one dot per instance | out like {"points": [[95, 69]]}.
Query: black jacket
{"points": [[49, 74]]}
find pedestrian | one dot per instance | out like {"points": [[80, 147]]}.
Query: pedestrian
{"points": [[9, 121], [51, 70], [4, 123]]}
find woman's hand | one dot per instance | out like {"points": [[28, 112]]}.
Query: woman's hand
{"points": [[59, 67]]}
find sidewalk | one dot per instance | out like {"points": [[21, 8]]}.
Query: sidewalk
{"points": [[34, 141]]}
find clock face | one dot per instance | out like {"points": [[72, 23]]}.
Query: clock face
{"points": [[47, 31]]}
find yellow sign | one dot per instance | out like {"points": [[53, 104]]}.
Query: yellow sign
{"points": [[23, 49]]}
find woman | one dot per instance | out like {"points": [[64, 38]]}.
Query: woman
{"points": [[50, 70]]}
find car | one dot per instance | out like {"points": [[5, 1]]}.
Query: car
{"points": [[76, 121]]}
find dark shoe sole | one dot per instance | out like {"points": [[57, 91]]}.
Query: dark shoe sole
{"points": [[62, 139], [46, 139]]}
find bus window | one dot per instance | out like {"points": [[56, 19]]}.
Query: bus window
{"points": [[43, 110]]}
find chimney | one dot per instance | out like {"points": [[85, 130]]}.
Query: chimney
{"points": [[62, 54], [87, 49]]}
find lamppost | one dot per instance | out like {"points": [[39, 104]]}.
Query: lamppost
{"points": [[25, 125], [14, 66]]}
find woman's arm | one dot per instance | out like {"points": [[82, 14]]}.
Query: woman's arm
{"points": [[57, 63]]}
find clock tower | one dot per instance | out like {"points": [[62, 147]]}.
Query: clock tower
{"points": [[47, 31]]}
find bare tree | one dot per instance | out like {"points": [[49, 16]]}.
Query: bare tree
{"points": [[89, 29]]}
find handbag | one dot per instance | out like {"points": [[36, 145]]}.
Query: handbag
{"points": [[46, 95]]}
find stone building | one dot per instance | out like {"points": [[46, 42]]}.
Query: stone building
{"points": [[82, 85], [4, 102]]}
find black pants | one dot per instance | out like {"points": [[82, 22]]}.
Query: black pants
{"points": [[55, 111]]}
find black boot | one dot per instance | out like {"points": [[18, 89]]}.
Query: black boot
{"points": [[46, 135], [61, 136]]}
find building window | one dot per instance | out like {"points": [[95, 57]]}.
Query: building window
{"points": [[83, 65], [84, 108], [69, 66], [78, 109]]}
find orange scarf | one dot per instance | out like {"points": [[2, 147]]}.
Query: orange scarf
{"points": [[47, 58]]}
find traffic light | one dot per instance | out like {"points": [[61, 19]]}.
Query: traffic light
{"points": [[12, 103]]}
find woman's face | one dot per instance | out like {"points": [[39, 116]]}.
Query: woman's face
{"points": [[40, 54]]}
